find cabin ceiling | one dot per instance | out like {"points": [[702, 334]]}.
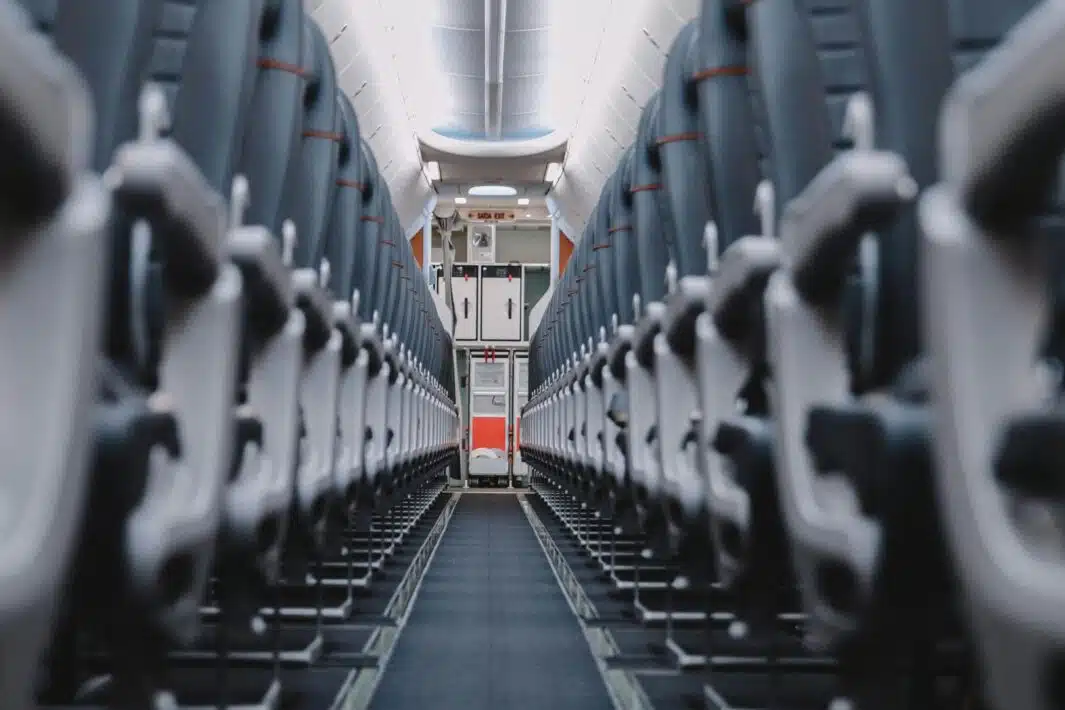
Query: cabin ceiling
{"points": [[492, 91]]}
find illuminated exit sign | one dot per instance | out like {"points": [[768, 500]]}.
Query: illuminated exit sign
{"points": [[491, 215]]}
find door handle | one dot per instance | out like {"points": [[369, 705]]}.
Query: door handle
{"points": [[466, 307], [510, 309]]}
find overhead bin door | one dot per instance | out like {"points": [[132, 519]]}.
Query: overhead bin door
{"points": [[464, 288], [501, 305]]}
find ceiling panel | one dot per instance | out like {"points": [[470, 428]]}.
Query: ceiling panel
{"points": [[459, 51], [522, 123], [523, 14], [466, 14], [526, 52], [524, 95]]}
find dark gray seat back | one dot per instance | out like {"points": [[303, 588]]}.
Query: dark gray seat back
{"points": [[653, 230], [727, 122], [312, 180], [114, 68], [798, 131], [623, 239], [204, 56], [372, 248], [680, 150], [345, 224], [273, 133], [604, 285]]}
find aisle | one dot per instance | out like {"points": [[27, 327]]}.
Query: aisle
{"points": [[490, 628]]}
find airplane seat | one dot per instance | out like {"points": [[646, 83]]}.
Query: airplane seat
{"points": [[850, 459], [407, 278], [584, 302], [308, 197], [366, 247], [626, 270], [746, 535], [149, 539], [345, 222], [173, 443], [260, 492], [601, 299], [654, 224], [215, 72], [793, 111], [112, 72], [389, 276], [271, 137], [345, 236], [617, 284], [686, 185], [52, 297], [988, 226], [566, 452], [374, 256], [204, 58], [604, 300]]}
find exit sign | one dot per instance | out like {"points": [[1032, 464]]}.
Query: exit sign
{"points": [[491, 215]]}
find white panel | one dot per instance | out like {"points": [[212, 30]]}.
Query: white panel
{"points": [[628, 115], [663, 26], [648, 63], [640, 87], [331, 15], [345, 49], [686, 9], [501, 306], [466, 292]]}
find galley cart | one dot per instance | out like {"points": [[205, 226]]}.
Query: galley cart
{"points": [[489, 417]]}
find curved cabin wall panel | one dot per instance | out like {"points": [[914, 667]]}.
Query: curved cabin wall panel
{"points": [[628, 72], [362, 42]]}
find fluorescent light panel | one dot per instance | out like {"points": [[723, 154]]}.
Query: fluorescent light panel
{"points": [[492, 191]]}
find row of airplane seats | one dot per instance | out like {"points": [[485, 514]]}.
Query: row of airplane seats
{"points": [[806, 349], [218, 355]]}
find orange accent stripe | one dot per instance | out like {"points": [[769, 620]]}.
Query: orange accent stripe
{"points": [[620, 228], [645, 188], [360, 186], [370, 218], [733, 70], [278, 65], [679, 137], [324, 135]]}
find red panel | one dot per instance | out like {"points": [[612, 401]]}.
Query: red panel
{"points": [[489, 433]]}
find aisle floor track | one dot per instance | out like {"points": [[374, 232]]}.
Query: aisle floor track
{"points": [[490, 627]]}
